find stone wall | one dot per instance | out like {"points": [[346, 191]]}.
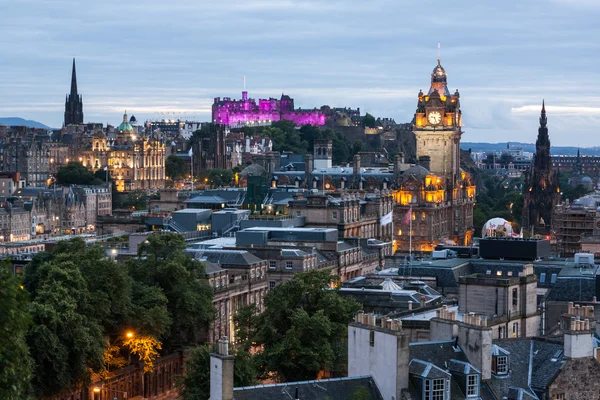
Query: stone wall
{"points": [[579, 379]]}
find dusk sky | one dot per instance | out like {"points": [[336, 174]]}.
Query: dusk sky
{"points": [[169, 59]]}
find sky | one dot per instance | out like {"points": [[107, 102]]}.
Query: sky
{"points": [[169, 59]]}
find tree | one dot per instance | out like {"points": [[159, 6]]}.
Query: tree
{"points": [[303, 328], [369, 121], [162, 263], [175, 167], [16, 364], [220, 177], [194, 384], [66, 341], [74, 173], [358, 146]]}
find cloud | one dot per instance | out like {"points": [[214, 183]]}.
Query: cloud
{"points": [[154, 57]]}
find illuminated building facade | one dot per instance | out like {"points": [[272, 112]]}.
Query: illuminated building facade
{"points": [[436, 198], [135, 163], [248, 112]]}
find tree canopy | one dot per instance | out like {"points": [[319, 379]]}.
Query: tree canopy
{"points": [[15, 361], [175, 167], [82, 303], [74, 173], [220, 177], [369, 121], [303, 328]]}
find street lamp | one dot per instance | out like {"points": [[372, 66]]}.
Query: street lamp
{"points": [[98, 389], [129, 334]]}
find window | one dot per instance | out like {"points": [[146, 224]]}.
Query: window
{"points": [[334, 215], [501, 365], [371, 338], [272, 284], [559, 396], [553, 279], [434, 389], [542, 277], [515, 331], [473, 385], [272, 264], [515, 297], [298, 213], [288, 265]]}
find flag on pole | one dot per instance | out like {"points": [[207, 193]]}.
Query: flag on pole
{"points": [[106, 168], [386, 219], [407, 217]]}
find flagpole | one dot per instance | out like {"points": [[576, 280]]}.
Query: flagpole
{"points": [[192, 169], [410, 241]]}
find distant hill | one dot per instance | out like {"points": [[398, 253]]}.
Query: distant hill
{"points": [[530, 147], [17, 121]]}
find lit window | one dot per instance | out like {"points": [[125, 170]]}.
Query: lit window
{"points": [[559, 396]]}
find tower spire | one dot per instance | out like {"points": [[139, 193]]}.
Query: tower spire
{"points": [[73, 80], [543, 119]]}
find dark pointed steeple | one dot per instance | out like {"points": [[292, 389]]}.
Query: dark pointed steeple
{"points": [[73, 102], [542, 190], [74, 81]]}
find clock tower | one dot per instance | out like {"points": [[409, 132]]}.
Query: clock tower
{"points": [[437, 127]]}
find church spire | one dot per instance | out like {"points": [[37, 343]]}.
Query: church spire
{"points": [[73, 80], [73, 102]]}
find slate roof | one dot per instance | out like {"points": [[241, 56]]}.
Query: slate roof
{"points": [[437, 353], [426, 369], [537, 351], [326, 389], [228, 257]]}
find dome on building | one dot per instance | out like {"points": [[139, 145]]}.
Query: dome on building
{"points": [[497, 227], [586, 179], [132, 120], [418, 171], [125, 126], [439, 74], [253, 170]]}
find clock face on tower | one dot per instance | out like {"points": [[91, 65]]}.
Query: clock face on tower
{"points": [[434, 117]]}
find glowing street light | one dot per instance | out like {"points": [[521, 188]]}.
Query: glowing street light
{"points": [[129, 334]]}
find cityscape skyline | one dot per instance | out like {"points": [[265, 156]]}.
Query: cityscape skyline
{"points": [[331, 53]]}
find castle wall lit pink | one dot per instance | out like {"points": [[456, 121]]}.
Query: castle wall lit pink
{"points": [[246, 112]]}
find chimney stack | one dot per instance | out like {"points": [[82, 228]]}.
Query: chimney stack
{"points": [[221, 372], [356, 165], [578, 327]]}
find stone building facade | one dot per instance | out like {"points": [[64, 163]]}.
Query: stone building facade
{"points": [[352, 213], [29, 157], [135, 163]]}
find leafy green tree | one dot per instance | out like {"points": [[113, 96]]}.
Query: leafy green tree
{"points": [[369, 121], [220, 177], [286, 137], [16, 364], [162, 263], [194, 384], [358, 146], [74, 173], [303, 328], [175, 167], [66, 340]]}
